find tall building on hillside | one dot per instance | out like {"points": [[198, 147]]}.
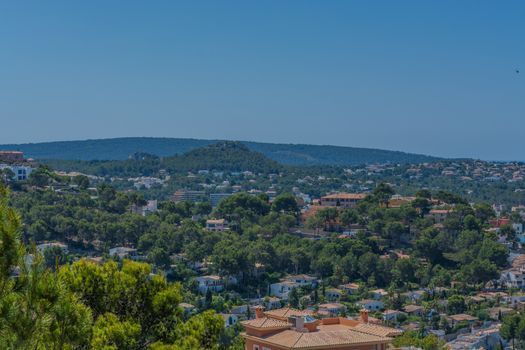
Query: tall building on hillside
{"points": [[215, 198], [189, 196]]}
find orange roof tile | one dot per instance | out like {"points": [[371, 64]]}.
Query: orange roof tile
{"points": [[377, 330], [300, 340], [287, 312], [266, 322]]}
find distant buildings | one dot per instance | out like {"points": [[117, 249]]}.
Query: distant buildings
{"points": [[20, 172], [12, 156], [215, 198], [439, 215], [44, 246], [143, 210], [344, 200], [331, 309], [487, 338], [217, 225], [122, 252], [371, 305], [16, 163], [211, 282], [188, 196], [283, 288]]}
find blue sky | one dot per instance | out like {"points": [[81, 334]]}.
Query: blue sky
{"points": [[433, 77]]}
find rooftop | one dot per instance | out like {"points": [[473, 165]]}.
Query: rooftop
{"points": [[345, 196], [329, 337]]}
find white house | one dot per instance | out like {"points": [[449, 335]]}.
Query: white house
{"points": [[392, 315], [21, 172], [272, 303], [217, 225], [379, 294], [513, 278], [302, 280], [282, 289], [415, 296], [230, 320], [122, 252], [349, 288], [514, 300], [414, 310], [210, 282], [371, 305], [331, 309], [333, 294]]}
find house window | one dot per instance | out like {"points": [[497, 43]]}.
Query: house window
{"points": [[265, 348], [256, 347]]}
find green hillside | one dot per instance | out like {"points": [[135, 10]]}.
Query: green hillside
{"points": [[291, 154], [221, 156]]}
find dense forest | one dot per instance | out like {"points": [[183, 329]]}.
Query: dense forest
{"points": [[291, 154]]}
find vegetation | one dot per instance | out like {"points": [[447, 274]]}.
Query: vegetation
{"points": [[86, 305], [121, 148]]}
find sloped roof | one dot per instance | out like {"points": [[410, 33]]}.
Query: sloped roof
{"points": [[287, 312], [299, 340], [266, 322], [377, 330]]}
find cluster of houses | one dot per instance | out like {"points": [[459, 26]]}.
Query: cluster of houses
{"points": [[14, 163], [270, 314]]}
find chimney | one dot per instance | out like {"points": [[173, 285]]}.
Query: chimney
{"points": [[311, 326], [363, 314], [259, 312], [299, 323]]}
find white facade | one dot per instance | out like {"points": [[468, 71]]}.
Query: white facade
{"points": [[371, 305], [213, 283], [513, 278], [21, 172], [282, 289]]}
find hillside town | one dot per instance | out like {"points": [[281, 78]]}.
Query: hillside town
{"points": [[322, 305]]}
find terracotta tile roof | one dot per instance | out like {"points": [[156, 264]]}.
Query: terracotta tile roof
{"points": [[287, 312], [299, 340], [463, 317], [377, 330], [266, 322], [412, 308]]}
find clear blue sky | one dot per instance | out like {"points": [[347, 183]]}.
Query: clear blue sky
{"points": [[433, 77]]}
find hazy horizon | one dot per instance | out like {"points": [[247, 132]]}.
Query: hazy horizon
{"points": [[437, 79]]}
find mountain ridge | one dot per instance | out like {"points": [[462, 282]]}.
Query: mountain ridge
{"points": [[290, 154]]}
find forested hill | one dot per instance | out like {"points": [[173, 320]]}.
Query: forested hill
{"points": [[291, 154], [221, 156]]}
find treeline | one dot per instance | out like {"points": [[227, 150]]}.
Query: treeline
{"points": [[458, 249], [91, 306]]}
